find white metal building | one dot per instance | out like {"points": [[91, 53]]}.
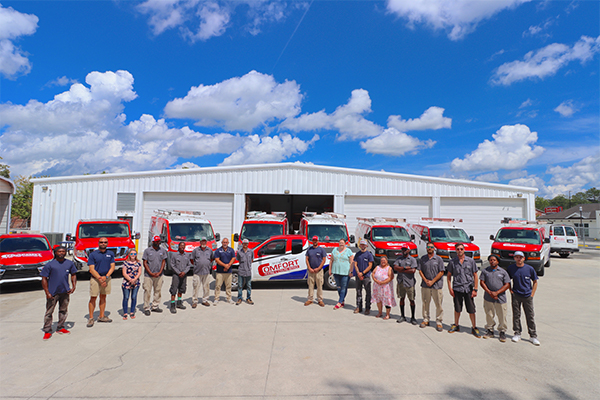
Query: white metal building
{"points": [[225, 194]]}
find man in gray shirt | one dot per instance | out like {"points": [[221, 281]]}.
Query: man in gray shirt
{"points": [[245, 256], [154, 259], [406, 266], [495, 281], [464, 288], [202, 260], [180, 264], [431, 268]]}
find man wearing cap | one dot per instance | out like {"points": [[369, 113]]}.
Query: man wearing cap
{"points": [[101, 263], [202, 259], [431, 268], [245, 258], [406, 266], [363, 264], [524, 285], [495, 281], [180, 264], [55, 282], [154, 259], [462, 285], [315, 259], [224, 256]]}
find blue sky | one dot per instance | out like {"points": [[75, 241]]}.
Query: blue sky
{"points": [[500, 91]]}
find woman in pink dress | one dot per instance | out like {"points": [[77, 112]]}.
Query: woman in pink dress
{"points": [[383, 293]]}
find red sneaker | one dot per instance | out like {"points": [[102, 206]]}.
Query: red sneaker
{"points": [[63, 331], [47, 336]]}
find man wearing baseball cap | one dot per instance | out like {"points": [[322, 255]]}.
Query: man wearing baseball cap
{"points": [[154, 259], [406, 266], [363, 264], [495, 281], [524, 285], [315, 259], [202, 260]]}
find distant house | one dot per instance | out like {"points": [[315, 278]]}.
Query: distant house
{"points": [[587, 221], [7, 189]]}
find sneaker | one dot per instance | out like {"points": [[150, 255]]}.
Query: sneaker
{"points": [[535, 341], [215, 303], [401, 319], [90, 322], [206, 303], [489, 334], [180, 305], [249, 301], [357, 310], [475, 332], [157, 310], [230, 301], [104, 319], [47, 335], [172, 308], [194, 305], [516, 338], [238, 302], [439, 327], [147, 312], [502, 337], [63, 331], [321, 303], [454, 328], [413, 321], [308, 303], [424, 324], [367, 311]]}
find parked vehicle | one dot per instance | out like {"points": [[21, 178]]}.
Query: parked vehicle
{"points": [[22, 257], [563, 240], [260, 226], [385, 236], [88, 233], [526, 236], [175, 226], [444, 233]]}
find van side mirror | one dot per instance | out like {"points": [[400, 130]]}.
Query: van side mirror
{"points": [[412, 237], [547, 240], [136, 236], [491, 237], [218, 237], [261, 253], [471, 238], [366, 236], [68, 237], [163, 238], [236, 238], [352, 239], [424, 237]]}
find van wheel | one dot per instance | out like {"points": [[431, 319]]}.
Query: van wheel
{"points": [[548, 263], [541, 271], [564, 255], [234, 280], [329, 281]]}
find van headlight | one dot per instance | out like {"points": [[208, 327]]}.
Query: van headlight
{"points": [[441, 252], [477, 254], [380, 252], [495, 251], [413, 252], [80, 254], [534, 254], [174, 246]]}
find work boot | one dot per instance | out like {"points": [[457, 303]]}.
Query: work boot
{"points": [[173, 308], [180, 305]]}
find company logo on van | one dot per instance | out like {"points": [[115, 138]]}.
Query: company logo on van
{"points": [[268, 269], [18, 255]]}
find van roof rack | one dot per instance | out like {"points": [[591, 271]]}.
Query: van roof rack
{"points": [[179, 213], [265, 215], [381, 219], [443, 220]]}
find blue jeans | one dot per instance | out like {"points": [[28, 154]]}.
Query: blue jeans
{"points": [[341, 281], [244, 281], [133, 292]]}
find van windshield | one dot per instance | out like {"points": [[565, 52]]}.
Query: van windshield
{"points": [[525, 236], [20, 245], [390, 234], [260, 232], [87, 231], [449, 235], [328, 233], [191, 232]]}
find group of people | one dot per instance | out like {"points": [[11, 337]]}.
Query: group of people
{"points": [[375, 280]]}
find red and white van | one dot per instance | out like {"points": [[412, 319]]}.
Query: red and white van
{"points": [[527, 236], [260, 226], [88, 233], [329, 227], [385, 236], [444, 233], [22, 257]]}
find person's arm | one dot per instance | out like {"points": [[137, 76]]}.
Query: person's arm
{"points": [[450, 283], [413, 267], [322, 262], [485, 288], [503, 289], [389, 278], [45, 287], [534, 288], [475, 281], [147, 268], [111, 270], [137, 275], [423, 278], [73, 283], [308, 266], [397, 267], [351, 261]]}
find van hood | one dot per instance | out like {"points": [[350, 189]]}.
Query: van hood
{"points": [[25, 258], [516, 246], [394, 245], [451, 246]]}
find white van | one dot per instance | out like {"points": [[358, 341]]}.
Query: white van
{"points": [[563, 240]]}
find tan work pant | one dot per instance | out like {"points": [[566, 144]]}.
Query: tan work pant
{"points": [[223, 278], [426, 295], [315, 277], [149, 284], [197, 282], [491, 310]]}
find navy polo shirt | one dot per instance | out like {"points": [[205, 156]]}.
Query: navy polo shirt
{"points": [[362, 259], [58, 275], [225, 256], [101, 261], [315, 256], [522, 279]]}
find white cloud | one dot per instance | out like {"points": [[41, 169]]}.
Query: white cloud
{"points": [[490, 177], [566, 108], [213, 22], [193, 144], [241, 103], [512, 147], [539, 30], [586, 171], [526, 103], [546, 61], [257, 150], [432, 118], [515, 174], [62, 81], [13, 24], [458, 17], [395, 143]]}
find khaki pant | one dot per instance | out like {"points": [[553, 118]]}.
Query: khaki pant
{"points": [[491, 310], [223, 278], [96, 288], [318, 279], [197, 282], [426, 295], [150, 284]]}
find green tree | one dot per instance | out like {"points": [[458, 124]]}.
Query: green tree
{"points": [[4, 170], [560, 201], [579, 198], [541, 203], [21, 202], [593, 195]]}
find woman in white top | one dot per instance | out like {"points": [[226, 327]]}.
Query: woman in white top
{"points": [[341, 260]]}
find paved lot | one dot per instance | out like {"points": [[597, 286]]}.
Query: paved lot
{"points": [[280, 349]]}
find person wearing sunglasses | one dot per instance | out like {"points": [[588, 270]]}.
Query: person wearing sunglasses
{"points": [[102, 264]]}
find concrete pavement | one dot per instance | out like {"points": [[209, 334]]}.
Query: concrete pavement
{"points": [[280, 349]]}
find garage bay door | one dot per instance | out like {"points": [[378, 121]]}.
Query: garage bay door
{"points": [[481, 217], [411, 208], [217, 207]]}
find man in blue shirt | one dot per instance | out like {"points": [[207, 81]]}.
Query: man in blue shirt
{"points": [[524, 285], [102, 264], [55, 282], [315, 259], [224, 257], [363, 264]]}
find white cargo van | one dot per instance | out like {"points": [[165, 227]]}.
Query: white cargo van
{"points": [[563, 240]]}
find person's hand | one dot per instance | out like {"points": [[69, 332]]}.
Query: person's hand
{"points": [[474, 293], [72, 290], [181, 275], [429, 283], [494, 295], [48, 295], [103, 283], [451, 292]]}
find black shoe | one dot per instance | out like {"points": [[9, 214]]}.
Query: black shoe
{"points": [[157, 310], [454, 328], [489, 334], [475, 332], [502, 337], [401, 319], [180, 305], [413, 321], [147, 312], [172, 307]]}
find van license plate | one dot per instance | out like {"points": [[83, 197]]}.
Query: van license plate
{"points": [[569, 240]]}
